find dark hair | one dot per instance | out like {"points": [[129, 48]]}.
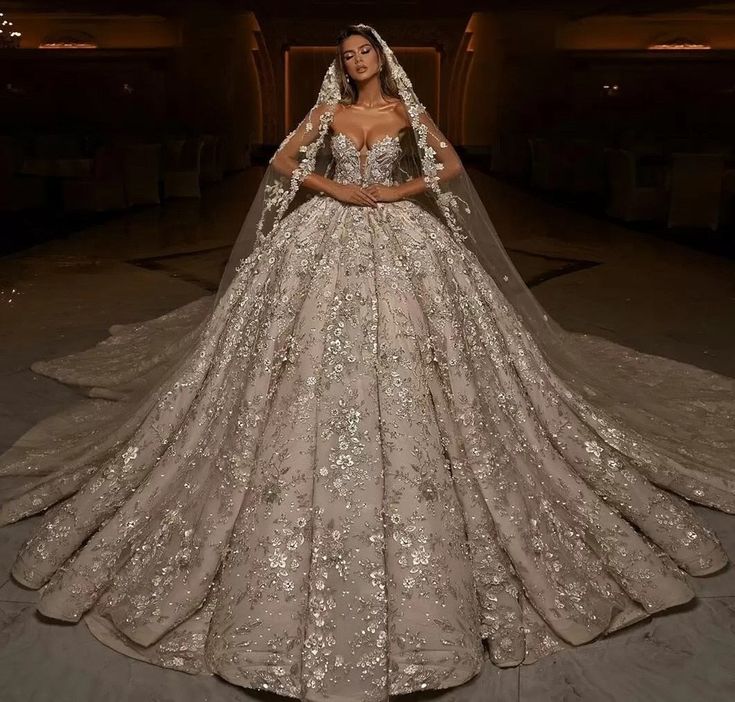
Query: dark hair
{"points": [[349, 87]]}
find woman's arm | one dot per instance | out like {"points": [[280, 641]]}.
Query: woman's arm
{"points": [[320, 184], [449, 166], [285, 162]]}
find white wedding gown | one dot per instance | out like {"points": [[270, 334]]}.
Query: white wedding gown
{"points": [[364, 478]]}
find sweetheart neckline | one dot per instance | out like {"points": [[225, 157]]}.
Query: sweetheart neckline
{"points": [[369, 148]]}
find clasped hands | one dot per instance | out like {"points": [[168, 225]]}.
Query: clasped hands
{"points": [[369, 196]]}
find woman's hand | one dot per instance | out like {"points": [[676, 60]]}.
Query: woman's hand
{"points": [[385, 193], [352, 194]]}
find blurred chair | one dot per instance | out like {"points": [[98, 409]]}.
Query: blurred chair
{"points": [[212, 169], [104, 191], [584, 165], [53, 146], [142, 174], [172, 150], [627, 200], [17, 192], [696, 190], [183, 169], [641, 143], [567, 164]]}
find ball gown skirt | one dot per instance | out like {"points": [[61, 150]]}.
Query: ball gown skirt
{"points": [[364, 479]]}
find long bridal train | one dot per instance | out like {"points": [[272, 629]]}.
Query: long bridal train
{"points": [[360, 469]]}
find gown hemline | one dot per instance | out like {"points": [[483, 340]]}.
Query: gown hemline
{"points": [[104, 631]]}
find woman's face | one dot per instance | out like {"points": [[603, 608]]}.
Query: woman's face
{"points": [[361, 60]]}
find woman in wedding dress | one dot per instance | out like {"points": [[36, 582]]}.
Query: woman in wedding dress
{"points": [[371, 461]]}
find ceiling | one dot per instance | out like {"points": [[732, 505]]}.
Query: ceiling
{"points": [[403, 8]]}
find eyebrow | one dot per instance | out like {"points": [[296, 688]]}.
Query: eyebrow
{"points": [[359, 47]]}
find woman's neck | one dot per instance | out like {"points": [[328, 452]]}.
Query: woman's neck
{"points": [[370, 94]]}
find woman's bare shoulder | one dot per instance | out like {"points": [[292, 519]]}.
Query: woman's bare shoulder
{"points": [[399, 108]]}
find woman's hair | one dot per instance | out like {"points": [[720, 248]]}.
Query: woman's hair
{"points": [[349, 87]]}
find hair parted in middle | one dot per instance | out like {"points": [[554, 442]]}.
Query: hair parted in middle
{"points": [[349, 88]]}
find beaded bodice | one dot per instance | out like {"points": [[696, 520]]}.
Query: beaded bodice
{"points": [[376, 166]]}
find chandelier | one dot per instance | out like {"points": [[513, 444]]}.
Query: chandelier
{"points": [[9, 37]]}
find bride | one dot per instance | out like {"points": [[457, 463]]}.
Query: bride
{"points": [[371, 460]]}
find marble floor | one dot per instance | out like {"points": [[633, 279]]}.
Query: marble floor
{"points": [[591, 275]]}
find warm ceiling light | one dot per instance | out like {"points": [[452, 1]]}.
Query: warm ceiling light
{"points": [[69, 40], [679, 44], [67, 45]]}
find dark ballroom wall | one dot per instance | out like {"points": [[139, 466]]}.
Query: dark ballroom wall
{"points": [[149, 76], [77, 91], [513, 65], [217, 78], [541, 72], [214, 68]]}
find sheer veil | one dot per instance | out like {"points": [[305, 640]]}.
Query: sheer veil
{"points": [[682, 415]]}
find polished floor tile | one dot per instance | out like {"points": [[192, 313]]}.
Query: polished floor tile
{"points": [[674, 657]]}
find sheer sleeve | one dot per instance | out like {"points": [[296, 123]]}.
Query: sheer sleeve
{"points": [[293, 147], [449, 163]]}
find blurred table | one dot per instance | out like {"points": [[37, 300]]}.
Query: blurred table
{"points": [[54, 172], [58, 167], [652, 169]]}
